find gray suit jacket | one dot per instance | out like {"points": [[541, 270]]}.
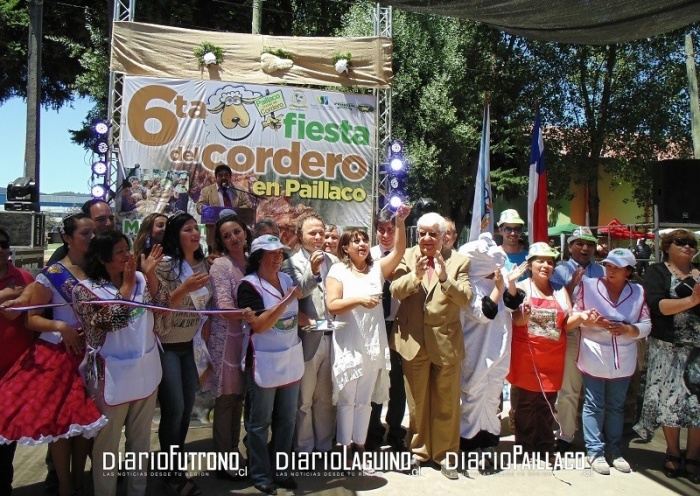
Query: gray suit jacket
{"points": [[313, 300]]}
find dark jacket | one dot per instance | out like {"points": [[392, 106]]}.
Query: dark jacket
{"points": [[657, 286]]}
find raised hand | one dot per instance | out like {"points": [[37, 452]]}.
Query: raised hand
{"points": [[516, 272], [128, 276], [421, 266], [316, 260], [403, 212], [440, 267], [149, 264], [498, 280], [196, 281]]}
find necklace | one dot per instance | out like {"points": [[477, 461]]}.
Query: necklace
{"points": [[679, 273], [360, 271]]}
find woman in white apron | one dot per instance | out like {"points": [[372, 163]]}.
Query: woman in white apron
{"points": [[273, 360], [361, 348], [122, 368], [607, 356], [184, 274], [43, 396]]}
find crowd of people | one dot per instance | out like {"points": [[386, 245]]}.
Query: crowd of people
{"points": [[308, 342]]}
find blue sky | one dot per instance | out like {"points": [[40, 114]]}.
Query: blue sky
{"points": [[64, 166]]}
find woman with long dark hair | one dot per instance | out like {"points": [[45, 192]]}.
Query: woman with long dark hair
{"points": [[122, 369], [58, 410], [226, 380], [184, 275]]}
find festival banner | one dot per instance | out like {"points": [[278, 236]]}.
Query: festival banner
{"points": [[291, 149]]}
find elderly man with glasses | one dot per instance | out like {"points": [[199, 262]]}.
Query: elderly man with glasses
{"points": [[581, 264]]}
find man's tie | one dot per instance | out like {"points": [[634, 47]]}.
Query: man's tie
{"points": [[431, 268], [227, 199], [386, 295]]}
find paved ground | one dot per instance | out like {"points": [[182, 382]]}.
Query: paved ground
{"points": [[646, 479]]}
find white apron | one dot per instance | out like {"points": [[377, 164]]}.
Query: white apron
{"points": [[600, 353], [130, 354], [278, 358]]}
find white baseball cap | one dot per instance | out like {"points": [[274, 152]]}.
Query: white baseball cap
{"points": [[268, 242], [620, 257]]}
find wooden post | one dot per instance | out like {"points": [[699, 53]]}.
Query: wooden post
{"points": [[693, 90], [32, 142]]}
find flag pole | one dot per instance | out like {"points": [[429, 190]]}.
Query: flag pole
{"points": [[482, 208]]}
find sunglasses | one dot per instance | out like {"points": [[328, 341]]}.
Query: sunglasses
{"points": [[4, 244], [685, 242], [511, 230]]}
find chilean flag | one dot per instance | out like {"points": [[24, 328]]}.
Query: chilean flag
{"points": [[537, 190]]}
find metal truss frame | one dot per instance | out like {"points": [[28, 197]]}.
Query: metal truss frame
{"points": [[381, 189], [123, 11]]}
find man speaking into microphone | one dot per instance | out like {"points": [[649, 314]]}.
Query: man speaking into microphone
{"points": [[220, 195]]}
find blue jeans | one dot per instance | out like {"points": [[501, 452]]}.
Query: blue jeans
{"points": [[176, 396], [276, 408], [603, 414]]}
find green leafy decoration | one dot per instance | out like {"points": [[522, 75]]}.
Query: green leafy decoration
{"points": [[278, 52], [207, 47], [342, 55]]}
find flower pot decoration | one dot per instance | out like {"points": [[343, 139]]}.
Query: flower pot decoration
{"points": [[343, 62], [275, 59], [208, 54]]}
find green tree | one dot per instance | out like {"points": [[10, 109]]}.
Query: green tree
{"points": [[60, 65], [618, 107], [443, 68]]}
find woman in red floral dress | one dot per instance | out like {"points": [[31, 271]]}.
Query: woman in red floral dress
{"points": [[44, 397]]}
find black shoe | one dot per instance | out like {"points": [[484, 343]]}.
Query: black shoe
{"points": [[694, 474], [51, 482], [224, 475], [288, 483], [373, 444], [397, 444], [561, 446], [266, 488]]}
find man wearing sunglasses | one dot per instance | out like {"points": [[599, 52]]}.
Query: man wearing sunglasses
{"points": [[510, 225], [581, 264]]}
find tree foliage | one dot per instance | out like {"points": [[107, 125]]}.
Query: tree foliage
{"points": [[618, 106], [60, 64]]}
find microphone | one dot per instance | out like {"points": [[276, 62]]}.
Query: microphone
{"points": [[224, 184]]}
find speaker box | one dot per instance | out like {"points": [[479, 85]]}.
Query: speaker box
{"points": [[676, 191], [25, 228]]}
